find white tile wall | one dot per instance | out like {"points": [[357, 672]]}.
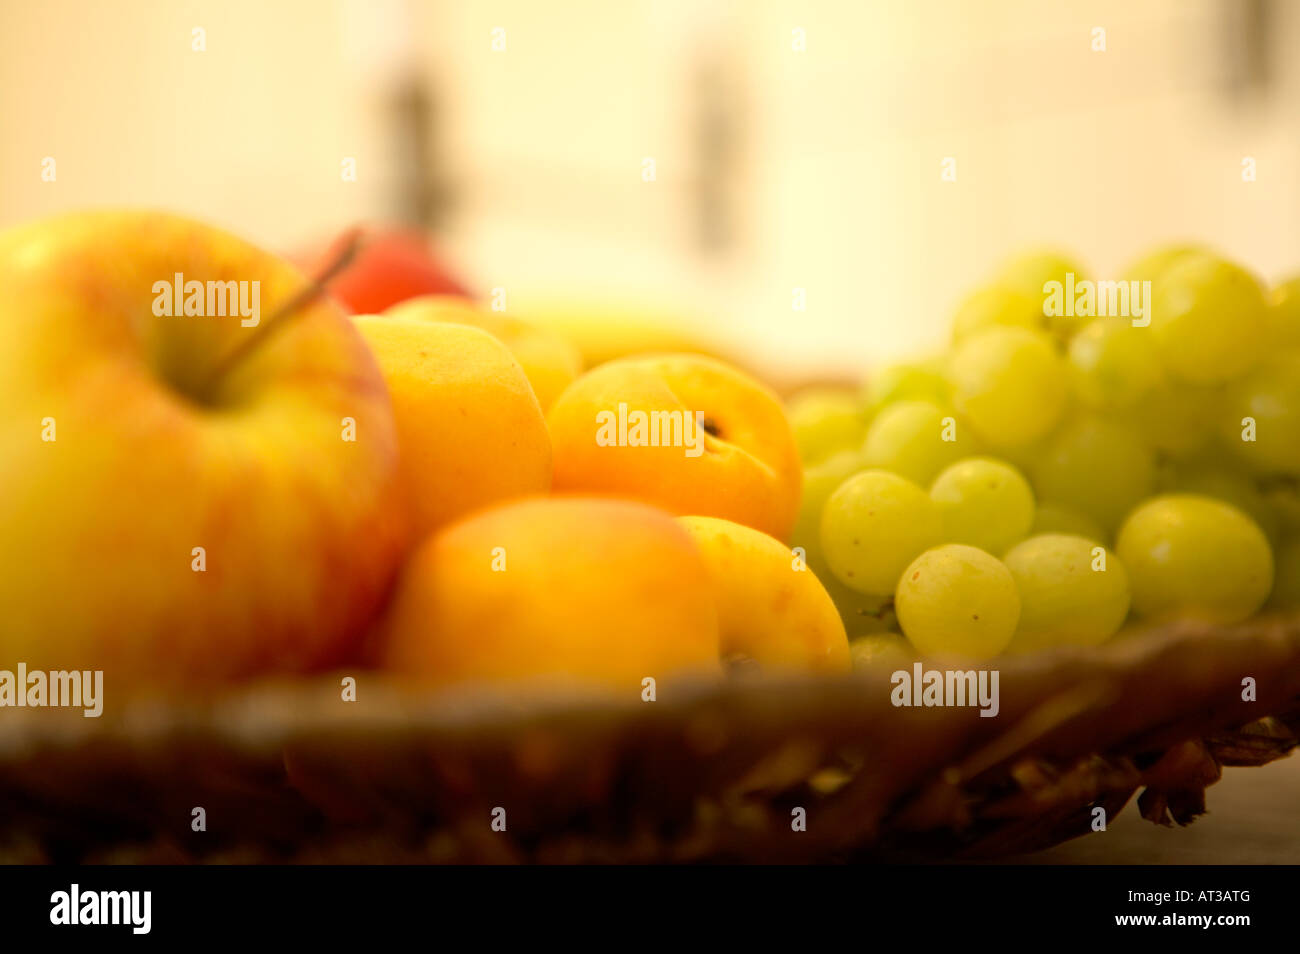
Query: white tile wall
{"points": [[835, 181]]}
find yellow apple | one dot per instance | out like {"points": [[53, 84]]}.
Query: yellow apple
{"points": [[604, 330], [548, 359], [685, 432], [167, 524], [771, 607], [560, 589], [469, 429]]}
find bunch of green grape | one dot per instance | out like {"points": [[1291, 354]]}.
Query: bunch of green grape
{"points": [[1052, 474]]}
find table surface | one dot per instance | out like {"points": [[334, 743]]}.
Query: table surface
{"points": [[1252, 817]]}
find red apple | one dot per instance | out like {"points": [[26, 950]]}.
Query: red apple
{"points": [[390, 266]]}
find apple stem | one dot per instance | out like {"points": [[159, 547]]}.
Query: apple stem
{"points": [[282, 316]]}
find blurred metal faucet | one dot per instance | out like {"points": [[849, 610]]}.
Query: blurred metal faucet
{"points": [[400, 110], [717, 128], [1249, 47], [419, 193]]}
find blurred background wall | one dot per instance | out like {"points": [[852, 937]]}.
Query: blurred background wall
{"points": [[797, 144]]}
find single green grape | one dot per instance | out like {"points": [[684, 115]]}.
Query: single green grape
{"points": [[1286, 579], [873, 525], [826, 420], [1010, 383], [916, 440], [1113, 364], [985, 503], [925, 379], [1031, 272], [1188, 555], [1260, 419], [1097, 466], [1057, 518], [1207, 318], [996, 305], [1072, 592], [820, 481], [957, 600], [1282, 318], [878, 648], [860, 612], [1179, 420]]}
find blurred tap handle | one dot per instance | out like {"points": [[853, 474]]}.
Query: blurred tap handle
{"points": [[421, 193], [381, 43], [716, 117], [1246, 28]]}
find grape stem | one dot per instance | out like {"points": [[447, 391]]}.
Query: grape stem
{"points": [[885, 608]]}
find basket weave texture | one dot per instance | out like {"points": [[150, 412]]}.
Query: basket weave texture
{"points": [[287, 772]]}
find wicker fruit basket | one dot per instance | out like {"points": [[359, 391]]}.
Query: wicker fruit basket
{"points": [[290, 773]]}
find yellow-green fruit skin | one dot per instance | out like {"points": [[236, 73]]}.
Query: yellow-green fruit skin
{"points": [[1055, 518], [879, 649], [1031, 272], [957, 600], [1208, 319], [996, 305], [1097, 466], [1286, 579], [1156, 261], [1178, 420], [1210, 478], [1072, 592], [1282, 319], [984, 502], [861, 613], [826, 421], [916, 440], [1113, 364], [1188, 555], [1260, 416], [922, 380], [1010, 383], [873, 525], [819, 482]]}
